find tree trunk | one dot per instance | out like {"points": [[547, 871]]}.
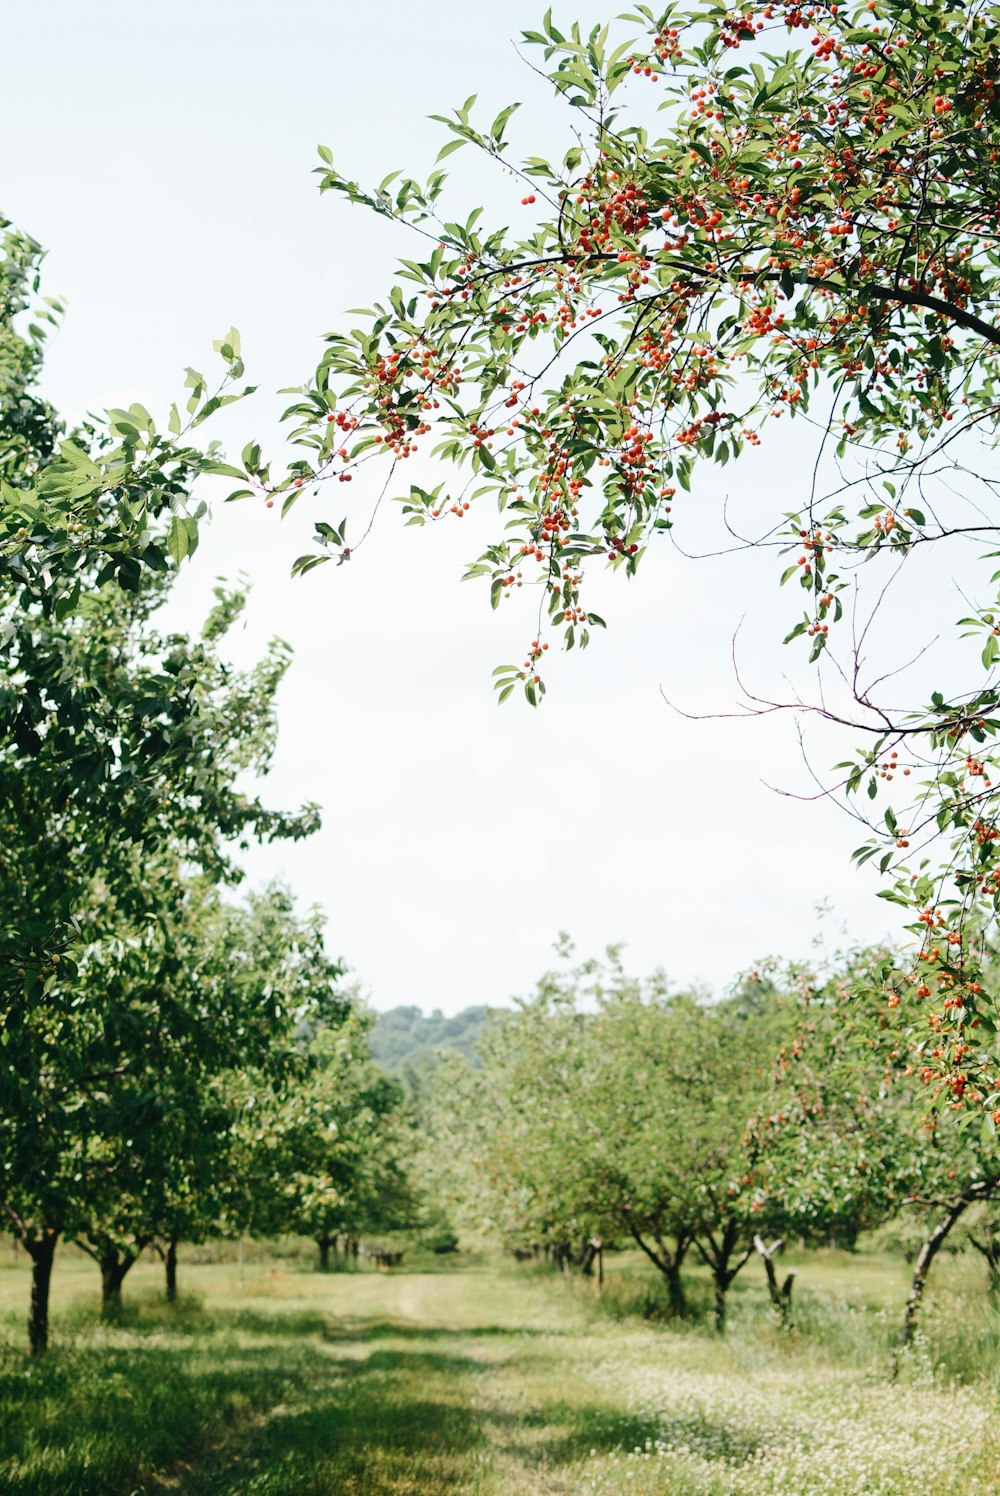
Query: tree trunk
{"points": [[722, 1281], [41, 1250], [668, 1262], [675, 1289], [922, 1267], [113, 1269], [324, 1243], [781, 1297], [718, 1255], [170, 1266], [988, 1245]]}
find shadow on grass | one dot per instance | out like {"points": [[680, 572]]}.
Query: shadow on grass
{"points": [[173, 1388], [583, 1429], [398, 1421], [407, 1423], [92, 1417], [337, 1330], [293, 1414]]}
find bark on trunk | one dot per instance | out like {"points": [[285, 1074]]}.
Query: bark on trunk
{"points": [[984, 1189], [41, 1251], [170, 1268], [324, 1243], [989, 1246], [675, 1290], [669, 1263], [113, 1270], [721, 1289], [561, 1255], [718, 1254], [922, 1267]]}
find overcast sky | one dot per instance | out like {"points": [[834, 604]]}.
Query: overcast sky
{"points": [[163, 156]]}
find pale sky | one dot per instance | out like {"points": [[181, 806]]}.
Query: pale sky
{"points": [[163, 155]]}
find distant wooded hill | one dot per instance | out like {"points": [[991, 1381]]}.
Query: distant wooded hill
{"points": [[407, 1036]]}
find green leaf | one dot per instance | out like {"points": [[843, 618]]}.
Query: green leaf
{"points": [[500, 123], [178, 539], [446, 150]]}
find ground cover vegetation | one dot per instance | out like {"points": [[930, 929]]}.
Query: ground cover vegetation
{"points": [[494, 1379]]}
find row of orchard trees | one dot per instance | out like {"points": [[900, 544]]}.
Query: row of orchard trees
{"points": [[212, 1079], [172, 1063], [609, 1110]]}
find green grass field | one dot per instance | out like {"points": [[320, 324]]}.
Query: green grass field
{"points": [[497, 1380]]}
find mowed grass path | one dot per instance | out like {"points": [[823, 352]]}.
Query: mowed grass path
{"points": [[489, 1380]]}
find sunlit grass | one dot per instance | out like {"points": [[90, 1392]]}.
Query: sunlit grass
{"points": [[494, 1380]]}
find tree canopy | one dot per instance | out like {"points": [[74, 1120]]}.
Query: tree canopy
{"points": [[610, 1109], [778, 212]]}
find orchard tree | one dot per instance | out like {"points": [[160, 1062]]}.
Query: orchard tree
{"points": [[141, 765], [776, 211], [106, 508], [678, 1133], [843, 1142], [835, 1144], [513, 1133], [328, 1155], [179, 1027], [260, 976], [608, 1108], [220, 993]]}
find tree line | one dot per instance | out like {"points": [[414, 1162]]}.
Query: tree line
{"points": [[611, 1111]]}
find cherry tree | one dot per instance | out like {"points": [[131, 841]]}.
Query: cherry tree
{"points": [[770, 214]]}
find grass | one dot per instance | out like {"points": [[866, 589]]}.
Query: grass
{"points": [[494, 1380]]}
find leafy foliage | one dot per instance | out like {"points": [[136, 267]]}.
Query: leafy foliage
{"points": [[328, 1155], [108, 501], [797, 221], [143, 1018], [613, 1109]]}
